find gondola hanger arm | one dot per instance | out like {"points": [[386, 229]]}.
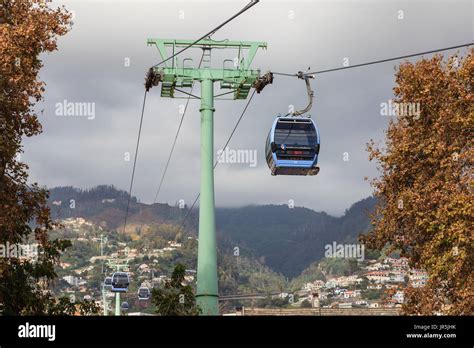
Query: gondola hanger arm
{"points": [[306, 78]]}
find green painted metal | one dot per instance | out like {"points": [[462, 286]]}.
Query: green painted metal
{"points": [[104, 290], [104, 300], [162, 43], [118, 267], [117, 303], [207, 293], [240, 78]]}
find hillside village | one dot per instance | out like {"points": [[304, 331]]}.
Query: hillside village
{"points": [[376, 283], [379, 283], [83, 271]]}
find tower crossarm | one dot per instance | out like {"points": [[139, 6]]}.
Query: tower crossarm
{"points": [[237, 76]]}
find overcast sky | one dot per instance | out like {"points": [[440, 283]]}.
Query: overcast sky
{"points": [[90, 66]]}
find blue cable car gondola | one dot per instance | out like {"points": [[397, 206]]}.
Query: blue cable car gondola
{"points": [[124, 306], [292, 146], [108, 282], [143, 293], [120, 282]]}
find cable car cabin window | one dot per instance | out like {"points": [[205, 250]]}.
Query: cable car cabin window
{"points": [[295, 134], [120, 278]]}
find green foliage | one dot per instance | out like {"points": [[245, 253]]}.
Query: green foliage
{"points": [[373, 294], [363, 284], [371, 254], [174, 298], [324, 303], [339, 266], [63, 306], [276, 302], [309, 275], [243, 275]]}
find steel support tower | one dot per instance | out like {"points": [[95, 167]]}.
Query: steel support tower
{"points": [[235, 75]]}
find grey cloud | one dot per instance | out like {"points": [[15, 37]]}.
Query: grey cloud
{"points": [[89, 66]]}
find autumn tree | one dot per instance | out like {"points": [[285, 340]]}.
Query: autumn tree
{"points": [[28, 28], [425, 187]]}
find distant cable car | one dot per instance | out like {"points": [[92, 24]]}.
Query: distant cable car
{"points": [[120, 282], [292, 146], [143, 293], [124, 306], [108, 282]]}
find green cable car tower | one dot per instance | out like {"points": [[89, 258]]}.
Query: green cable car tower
{"points": [[235, 75], [114, 264]]}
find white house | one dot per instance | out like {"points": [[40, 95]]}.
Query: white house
{"points": [[399, 296]]}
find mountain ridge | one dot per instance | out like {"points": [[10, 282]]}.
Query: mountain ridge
{"points": [[288, 240]]}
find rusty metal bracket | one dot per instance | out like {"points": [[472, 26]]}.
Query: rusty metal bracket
{"points": [[262, 81], [152, 79]]}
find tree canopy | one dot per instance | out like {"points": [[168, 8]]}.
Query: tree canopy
{"points": [[425, 188], [28, 28], [175, 298]]}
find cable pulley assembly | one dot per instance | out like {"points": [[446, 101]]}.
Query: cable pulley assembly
{"points": [[152, 79], [262, 81]]}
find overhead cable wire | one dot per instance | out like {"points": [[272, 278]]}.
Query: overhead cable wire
{"points": [[217, 161], [175, 138], [135, 161], [376, 61], [247, 7]]}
